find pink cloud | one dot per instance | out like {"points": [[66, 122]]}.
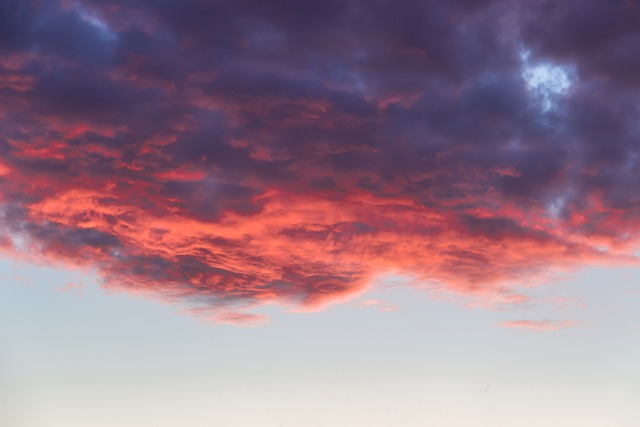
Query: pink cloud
{"points": [[379, 304], [71, 287], [539, 325]]}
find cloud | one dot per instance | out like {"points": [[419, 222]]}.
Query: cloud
{"points": [[226, 155], [370, 302], [71, 287], [380, 305], [539, 325]]}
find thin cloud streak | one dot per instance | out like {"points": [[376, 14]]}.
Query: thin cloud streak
{"points": [[539, 325]]}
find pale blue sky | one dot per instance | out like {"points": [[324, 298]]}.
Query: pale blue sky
{"points": [[88, 358]]}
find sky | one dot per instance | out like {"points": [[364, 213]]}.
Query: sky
{"points": [[319, 213]]}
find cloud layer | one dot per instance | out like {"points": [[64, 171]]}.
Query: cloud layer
{"points": [[228, 154]]}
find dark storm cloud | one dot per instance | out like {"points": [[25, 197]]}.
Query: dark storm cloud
{"points": [[227, 154]]}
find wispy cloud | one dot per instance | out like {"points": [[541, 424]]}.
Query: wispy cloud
{"points": [[539, 325]]}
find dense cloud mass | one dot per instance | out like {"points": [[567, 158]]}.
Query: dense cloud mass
{"points": [[225, 154]]}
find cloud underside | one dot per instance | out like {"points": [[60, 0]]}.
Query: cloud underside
{"points": [[226, 155]]}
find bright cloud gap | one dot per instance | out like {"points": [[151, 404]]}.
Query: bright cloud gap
{"points": [[548, 82]]}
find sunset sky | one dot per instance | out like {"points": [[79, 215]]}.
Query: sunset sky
{"points": [[319, 213]]}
